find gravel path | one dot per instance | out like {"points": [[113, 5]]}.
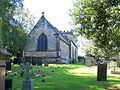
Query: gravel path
{"points": [[92, 69]]}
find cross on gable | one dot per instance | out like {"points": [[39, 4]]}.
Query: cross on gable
{"points": [[43, 13]]}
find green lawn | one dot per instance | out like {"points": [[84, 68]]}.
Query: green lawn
{"points": [[62, 77]]}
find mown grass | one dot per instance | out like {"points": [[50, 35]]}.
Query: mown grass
{"points": [[61, 77]]}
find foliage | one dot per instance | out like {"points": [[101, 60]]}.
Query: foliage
{"points": [[99, 20], [14, 33], [26, 19], [21, 73], [81, 58], [0, 33], [92, 50]]}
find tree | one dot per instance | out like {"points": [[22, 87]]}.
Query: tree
{"points": [[0, 33], [26, 19], [14, 34], [90, 50], [99, 20], [11, 29]]}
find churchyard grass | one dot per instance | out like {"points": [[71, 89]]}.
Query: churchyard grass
{"points": [[65, 77]]}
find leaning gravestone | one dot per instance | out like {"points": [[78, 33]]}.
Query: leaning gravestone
{"points": [[27, 84], [102, 72], [46, 64], [88, 61]]}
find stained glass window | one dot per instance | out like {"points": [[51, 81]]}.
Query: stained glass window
{"points": [[42, 43]]}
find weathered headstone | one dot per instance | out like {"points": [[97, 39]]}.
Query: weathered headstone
{"points": [[8, 84], [88, 61], [27, 84], [38, 73], [102, 72], [15, 61], [8, 65], [46, 64]]}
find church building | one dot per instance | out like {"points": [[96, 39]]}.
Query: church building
{"points": [[47, 44]]}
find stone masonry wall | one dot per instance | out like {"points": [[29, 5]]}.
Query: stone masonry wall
{"points": [[64, 51], [74, 51], [36, 32]]}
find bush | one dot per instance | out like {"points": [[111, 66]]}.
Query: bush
{"points": [[81, 59], [21, 73]]}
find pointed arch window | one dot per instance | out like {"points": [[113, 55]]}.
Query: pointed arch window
{"points": [[42, 43]]}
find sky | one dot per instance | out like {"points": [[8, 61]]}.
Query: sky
{"points": [[56, 12]]}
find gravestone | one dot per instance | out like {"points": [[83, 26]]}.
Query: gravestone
{"points": [[102, 72], [89, 61], [38, 73], [27, 83], [15, 61], [8, 84], [8, 65], [46, 64]]}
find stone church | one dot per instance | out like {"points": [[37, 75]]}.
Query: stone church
{"points": [[47, 44]]}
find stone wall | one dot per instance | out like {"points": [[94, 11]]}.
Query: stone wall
{"points": [[47, 54], [74, 52], [64, 51], [36, 32], [38, 60]]}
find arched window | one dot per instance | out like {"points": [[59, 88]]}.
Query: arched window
{"points": [[42, 43]]}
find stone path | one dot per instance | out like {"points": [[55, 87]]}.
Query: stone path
{"points": [[92, 69]]}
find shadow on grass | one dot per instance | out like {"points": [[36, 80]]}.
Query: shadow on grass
{"points": [[61, 78], [58, 77], [114, 83]]}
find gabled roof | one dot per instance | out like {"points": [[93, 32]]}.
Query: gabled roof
{"points": [[43, 19]]}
